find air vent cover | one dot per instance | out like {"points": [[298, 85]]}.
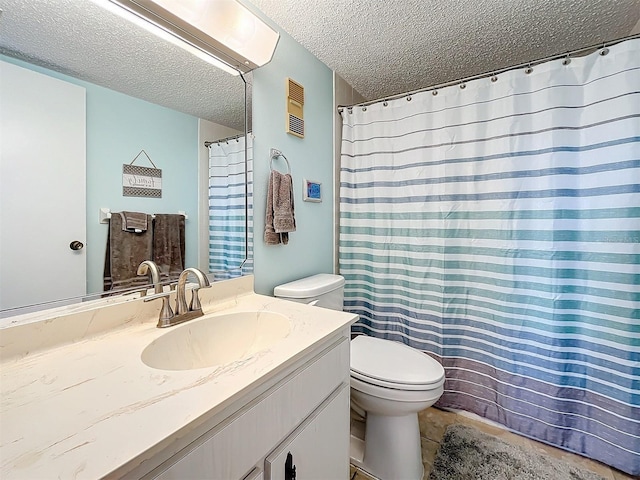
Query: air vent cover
{"points": [[295, 107]]}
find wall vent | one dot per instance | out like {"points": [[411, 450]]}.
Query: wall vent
{"points": [[295, 104]]}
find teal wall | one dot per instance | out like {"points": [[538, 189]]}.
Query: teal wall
{"points": [[118, 127], [310, 248]]}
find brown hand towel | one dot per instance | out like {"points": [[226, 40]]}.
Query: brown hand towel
{"points": [[134, 222], [125, 251], [169, 245], [283, 212], [271, 237]]}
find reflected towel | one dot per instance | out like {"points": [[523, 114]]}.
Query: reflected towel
{"points": [[134, 221], [276, 188], [169, 245], [125, 251]]}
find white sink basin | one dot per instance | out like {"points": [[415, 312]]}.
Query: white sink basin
{"points": [[216, 340]]}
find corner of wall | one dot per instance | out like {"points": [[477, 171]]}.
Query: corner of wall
{"points": [[343, 94], [310, 248]]}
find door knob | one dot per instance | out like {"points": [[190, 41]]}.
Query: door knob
{"points": [[76, 245]]}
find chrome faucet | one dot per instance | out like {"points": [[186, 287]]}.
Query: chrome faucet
{"points": [[183, 312], [166, 314], [181, 300]]}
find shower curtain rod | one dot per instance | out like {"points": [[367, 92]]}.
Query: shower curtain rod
{"points": [[226, 139], [493, 73]]}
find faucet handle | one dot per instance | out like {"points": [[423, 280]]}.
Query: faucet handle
{"points": [[166, 313], [195, 301], [203, 282]]}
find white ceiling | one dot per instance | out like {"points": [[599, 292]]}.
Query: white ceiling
{"points": [[379, 47], [387, 47], [82, 39]]}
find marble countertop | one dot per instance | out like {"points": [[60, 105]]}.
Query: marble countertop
{"points": [[86, 406]]}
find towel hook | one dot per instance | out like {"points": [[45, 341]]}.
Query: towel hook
{"points": [[275, 153]]}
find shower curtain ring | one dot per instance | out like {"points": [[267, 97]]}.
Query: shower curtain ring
{"points": [[566, 60]]}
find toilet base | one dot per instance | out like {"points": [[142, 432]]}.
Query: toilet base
{"points": [[391, 448]]}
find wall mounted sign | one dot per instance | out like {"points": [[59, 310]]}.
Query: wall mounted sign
{"points": [[141, 181], [311, 191]]}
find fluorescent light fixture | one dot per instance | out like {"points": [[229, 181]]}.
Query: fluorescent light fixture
{"points": [[221, 32]]}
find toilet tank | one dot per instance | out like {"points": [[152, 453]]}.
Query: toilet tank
{"points": [[322, 290]]}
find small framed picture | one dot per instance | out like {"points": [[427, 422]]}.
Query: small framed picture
{"points": [[312, 191]]}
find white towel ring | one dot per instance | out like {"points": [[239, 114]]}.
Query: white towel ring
{"points": [[275, 154]]}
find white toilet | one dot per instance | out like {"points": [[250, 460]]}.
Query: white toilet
{"points": [[391, 382]]}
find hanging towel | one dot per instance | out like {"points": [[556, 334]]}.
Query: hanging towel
{"points": [[125, 251], [169, 245], [134, 221], [280, 194], [283, 215], [270, 235]]}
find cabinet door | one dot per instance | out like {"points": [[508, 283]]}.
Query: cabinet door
{"points": [[319, 447]]}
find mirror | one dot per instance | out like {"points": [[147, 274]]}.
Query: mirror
{"points": [[142, 93]]}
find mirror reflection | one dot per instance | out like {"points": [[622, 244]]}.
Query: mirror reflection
{"points": [[92, 95]]}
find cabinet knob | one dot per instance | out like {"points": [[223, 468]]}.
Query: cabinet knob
{"points": [[289, 468]]}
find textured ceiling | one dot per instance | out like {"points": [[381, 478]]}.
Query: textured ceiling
{"points": [[82, 39], [381, 48]]}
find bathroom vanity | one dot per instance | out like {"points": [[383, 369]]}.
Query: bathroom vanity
{"points": [[80, 400]]}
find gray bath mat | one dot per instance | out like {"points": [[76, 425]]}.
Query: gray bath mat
{"points": [[468, 454]]}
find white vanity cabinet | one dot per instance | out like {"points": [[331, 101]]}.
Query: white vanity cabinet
{"points": [[305, 413]]}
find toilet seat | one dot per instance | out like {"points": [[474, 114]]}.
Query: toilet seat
{"points": [[393, 365], [396, 394], [395, 385]]}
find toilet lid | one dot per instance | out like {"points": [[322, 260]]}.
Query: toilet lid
{"points": [[392, 363]]}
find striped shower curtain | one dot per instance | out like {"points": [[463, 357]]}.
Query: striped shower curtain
{"points": [[496, 226], [227, 208]]}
